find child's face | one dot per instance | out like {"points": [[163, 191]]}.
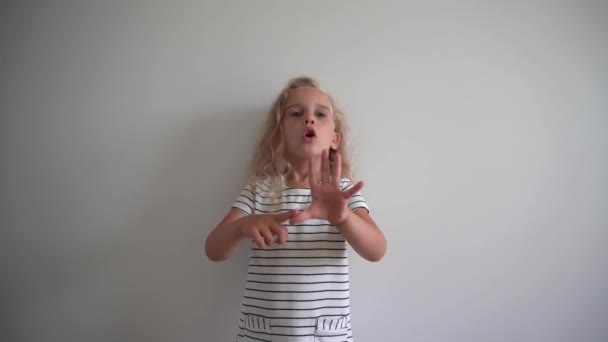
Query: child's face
{"points": [[308, 123]]}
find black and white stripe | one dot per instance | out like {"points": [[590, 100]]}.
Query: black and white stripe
{"points": [[299, 289]]}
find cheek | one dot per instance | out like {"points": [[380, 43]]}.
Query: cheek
{"points": [[289, 134], [288, 130]]}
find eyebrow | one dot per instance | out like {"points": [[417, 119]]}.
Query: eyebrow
{"points": [[301, 105]]}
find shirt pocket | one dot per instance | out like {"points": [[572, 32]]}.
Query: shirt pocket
{"points": [[332, 329], [255, 328]]}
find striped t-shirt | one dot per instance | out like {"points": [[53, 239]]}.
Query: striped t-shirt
{"points": [[298, 291]]}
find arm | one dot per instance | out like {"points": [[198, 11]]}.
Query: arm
{"points": [[362, 233], [226, 238]]}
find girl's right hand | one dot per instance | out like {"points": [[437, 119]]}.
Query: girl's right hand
{"points": [[263, 228]]}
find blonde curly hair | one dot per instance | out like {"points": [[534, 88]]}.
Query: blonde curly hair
{"points": [[269, 162]]}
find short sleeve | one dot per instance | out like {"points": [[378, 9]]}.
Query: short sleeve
{"points": [[245, 200], [355, 201]]}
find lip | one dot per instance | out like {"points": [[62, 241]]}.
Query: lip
{"points": [[308, 131]]}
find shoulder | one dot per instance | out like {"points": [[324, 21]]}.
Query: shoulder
{"points": [[265, 187]]}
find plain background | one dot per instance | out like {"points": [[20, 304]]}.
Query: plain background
{"points": [[480, 129]]}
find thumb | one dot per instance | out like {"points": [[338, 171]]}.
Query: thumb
{"points": [[301, 216], [356, 188], [282, 217]]}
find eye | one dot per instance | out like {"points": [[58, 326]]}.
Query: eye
{"points": [[296, 113], [321, 115]]}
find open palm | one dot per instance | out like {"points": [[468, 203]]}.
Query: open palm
{"points": [[328, 201]]}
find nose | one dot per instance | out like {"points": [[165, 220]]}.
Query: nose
{"points": [[309, 118]]}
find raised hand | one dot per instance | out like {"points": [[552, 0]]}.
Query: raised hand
{"points": [[328, 201]]}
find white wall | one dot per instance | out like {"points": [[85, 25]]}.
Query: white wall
{"points": [[480, 130]]}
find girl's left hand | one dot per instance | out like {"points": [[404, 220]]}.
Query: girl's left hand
{"points": [[328, 201]]}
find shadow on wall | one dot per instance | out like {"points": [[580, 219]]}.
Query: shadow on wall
{"points": [[141, 275], [144, 275], [169, 290]]}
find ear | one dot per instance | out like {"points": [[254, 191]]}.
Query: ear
{"points": [[335, 141]]}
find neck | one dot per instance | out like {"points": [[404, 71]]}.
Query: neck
{"points": [[298, 176]]}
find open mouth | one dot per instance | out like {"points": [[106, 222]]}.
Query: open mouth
{"points": [[310, 133]]}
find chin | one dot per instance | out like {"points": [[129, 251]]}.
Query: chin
{"points": [[306, 151], [304, 154]]}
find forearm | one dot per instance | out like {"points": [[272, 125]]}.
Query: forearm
{"points": [[223, 241], [364, 237]]}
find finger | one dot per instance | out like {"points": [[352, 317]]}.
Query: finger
{"points": [[356, 188], [301, 217], [337, 174], [325, 166], [282, 217], [281, 232], [257, 237], [268, 238], [313, 180]]}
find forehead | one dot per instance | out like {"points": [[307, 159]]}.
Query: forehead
{"points": [[307, 96]]}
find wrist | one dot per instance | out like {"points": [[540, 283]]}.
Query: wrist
{"points": [[343, 220]]}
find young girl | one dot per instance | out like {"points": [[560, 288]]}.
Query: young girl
{"points": [[300, 210]]}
